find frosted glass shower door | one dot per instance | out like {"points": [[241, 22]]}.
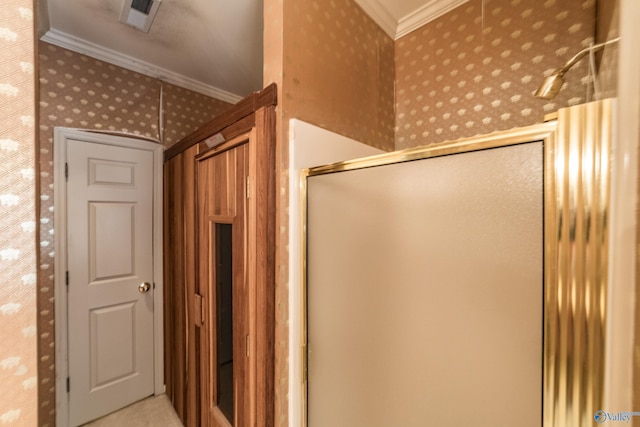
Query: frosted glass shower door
{"points": [[425, 292]]}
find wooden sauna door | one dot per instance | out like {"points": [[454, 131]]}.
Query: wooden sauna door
{"points": [[223, 285]]}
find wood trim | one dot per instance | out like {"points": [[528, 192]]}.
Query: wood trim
{"points": [[201, 365], [173, 271], [265, 98], [230, 133], [250, 270], [181, 373], [264, 173], [192, 407], [242, 138]]}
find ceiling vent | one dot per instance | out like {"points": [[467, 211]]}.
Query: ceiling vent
{"points": [[139, 13]]}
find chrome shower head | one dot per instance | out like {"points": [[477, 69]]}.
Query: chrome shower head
{"points": [[551, 85]]}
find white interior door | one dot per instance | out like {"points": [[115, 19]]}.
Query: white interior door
{"points": [[110, 255]]}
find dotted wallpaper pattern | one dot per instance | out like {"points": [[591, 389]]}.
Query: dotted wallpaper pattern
{"points": [[18, 371], [78, 91], [81, 92], [339, 70], [185, 111], [608, 28], [474, 70]]}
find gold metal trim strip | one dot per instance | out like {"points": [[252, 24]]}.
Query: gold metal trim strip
{"points": [[494, 140], [577, 183], [304, 174]]}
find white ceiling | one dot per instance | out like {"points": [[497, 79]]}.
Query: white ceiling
{"points": [[210, 46]]}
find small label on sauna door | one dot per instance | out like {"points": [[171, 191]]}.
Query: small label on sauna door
{"points": [[215, 140]]}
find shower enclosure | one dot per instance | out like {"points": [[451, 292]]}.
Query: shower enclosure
{"points": [[461, 283]]}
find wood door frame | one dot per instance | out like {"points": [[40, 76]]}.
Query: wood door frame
{"points": [[61, 135], [206, 355]]}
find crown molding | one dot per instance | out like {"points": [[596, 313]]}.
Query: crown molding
{"points": [[431, 10], [380, 15], [93, 50]]}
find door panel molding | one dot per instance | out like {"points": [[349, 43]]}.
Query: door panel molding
{"points": [[105, 175]]}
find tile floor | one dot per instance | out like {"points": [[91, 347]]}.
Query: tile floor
{"points": [[155, 411]]}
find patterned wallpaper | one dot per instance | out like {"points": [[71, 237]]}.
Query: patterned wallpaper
{"points": [[338, 70], [18, 405], [81, 92], [185, 111], [607, 28], [474, 70]]}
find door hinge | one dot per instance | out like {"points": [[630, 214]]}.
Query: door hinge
{"points": [[248, 187], [247, 345], [66, 171], [198, 315], [68, 385], [67, 279]]}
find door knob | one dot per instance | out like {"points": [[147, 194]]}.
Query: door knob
{"points": [[143, 288]]}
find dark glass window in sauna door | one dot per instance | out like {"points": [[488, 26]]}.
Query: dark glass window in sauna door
{"points": [[224, 320]]}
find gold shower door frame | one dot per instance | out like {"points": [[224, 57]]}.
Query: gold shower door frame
{"points": [[577, 177]]}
